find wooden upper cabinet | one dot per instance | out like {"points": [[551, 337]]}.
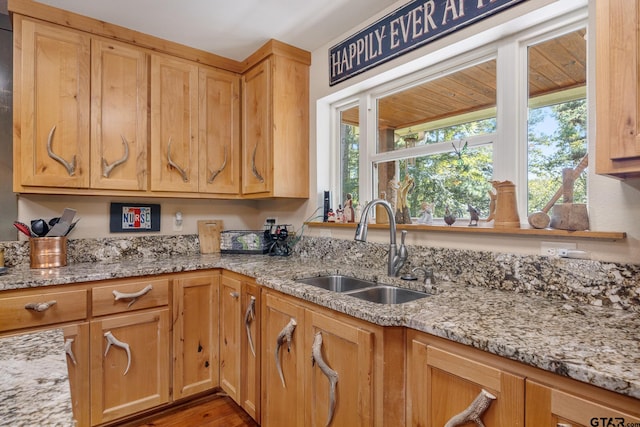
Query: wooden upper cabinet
{"points": [[119, 135], [219, 145], [174, 124], [256, 136], [275, 137], [51, 105], [618, 88]]}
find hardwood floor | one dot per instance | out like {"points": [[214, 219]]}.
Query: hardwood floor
{"points": [[211, 411]]}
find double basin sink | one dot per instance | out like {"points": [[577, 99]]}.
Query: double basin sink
{"points": [[364, 289]]}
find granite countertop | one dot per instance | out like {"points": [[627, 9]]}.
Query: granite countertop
{"points": [[34, 390], [596, 345]]}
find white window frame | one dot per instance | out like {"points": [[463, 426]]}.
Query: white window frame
{"points": [[510, 139]]}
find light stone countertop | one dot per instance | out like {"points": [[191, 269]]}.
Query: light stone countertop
{"points": [[596, 345], [34, 389]]}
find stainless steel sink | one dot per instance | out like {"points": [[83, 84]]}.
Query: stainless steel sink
{"points": [[383, 294], [337, 283]]}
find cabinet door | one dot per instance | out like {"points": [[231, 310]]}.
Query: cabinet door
{"points": [[290, 128], [174, 125], [119, 136], [442, 385], [195, 334], [618, 88], [348, 352], [52, 105], [283, 386], [250, 349], [547, 407], [219, 122], [257, 131], [76, 343], [230, 315], [129, 364]]}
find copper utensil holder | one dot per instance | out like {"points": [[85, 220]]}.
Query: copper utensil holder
{"points": [[48, 252]]}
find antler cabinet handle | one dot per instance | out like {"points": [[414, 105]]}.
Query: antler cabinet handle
{"points": [[249, 316], [117, 295], [332, 376], [111, 340], [286, 335]]}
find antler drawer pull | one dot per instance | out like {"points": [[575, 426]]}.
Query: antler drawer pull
{"points": [[174, 165], [474, 411], [234, 295], [70, 167], [332, 376], [286, 335], [117, 295], [249, 316], [123, 345], [39, 306], [107, 168]]}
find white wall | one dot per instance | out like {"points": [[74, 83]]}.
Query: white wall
{"points": [[94, 213], [613, 205]]}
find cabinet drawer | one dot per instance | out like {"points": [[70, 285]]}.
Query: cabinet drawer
{"points": [[123, 296], [68, 306]]}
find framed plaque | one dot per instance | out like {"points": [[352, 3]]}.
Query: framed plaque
{"points": [[134, 217]]}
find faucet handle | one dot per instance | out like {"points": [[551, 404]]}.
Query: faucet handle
{"points": [[428, 275]]}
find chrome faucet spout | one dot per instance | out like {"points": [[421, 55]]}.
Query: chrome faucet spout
{"points": [[396, 261]]}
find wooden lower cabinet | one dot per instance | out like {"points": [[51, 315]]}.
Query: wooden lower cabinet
{"points": [[195, 333], [367, 359], [250, 345], [551, 407], [240, 341], [76, 341], [129, 364], [443, 383], [230, 312], [348, 351], [283, 385]]}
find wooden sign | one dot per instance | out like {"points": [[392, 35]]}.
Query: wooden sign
{"points": [[408, 27]]}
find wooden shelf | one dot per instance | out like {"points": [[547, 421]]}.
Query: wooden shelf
{"points": [[534, 232]]}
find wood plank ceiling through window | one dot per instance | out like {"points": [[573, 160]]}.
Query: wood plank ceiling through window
{"points": [[555, 65]]}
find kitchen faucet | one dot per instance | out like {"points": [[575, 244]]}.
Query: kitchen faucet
{"points": [[397, 258]]}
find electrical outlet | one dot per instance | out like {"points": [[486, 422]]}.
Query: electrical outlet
{"points": [[178, 222], [552, 249]]}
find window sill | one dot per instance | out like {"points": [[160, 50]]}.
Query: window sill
{"points": [[483, 229]]}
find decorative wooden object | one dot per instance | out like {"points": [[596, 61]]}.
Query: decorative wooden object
{"points": [[506, 214], [569, 215], [541, 219]]}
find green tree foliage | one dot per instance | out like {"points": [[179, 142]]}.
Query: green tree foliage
{"points": [[452, 179], [350, 146], [462, 176], [550, 152]]}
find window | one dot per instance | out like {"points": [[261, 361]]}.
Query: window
{"points": [[557, 119], [438, 138]]}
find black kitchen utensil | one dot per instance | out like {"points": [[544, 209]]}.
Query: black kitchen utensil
{"points": [[39, 227]]}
